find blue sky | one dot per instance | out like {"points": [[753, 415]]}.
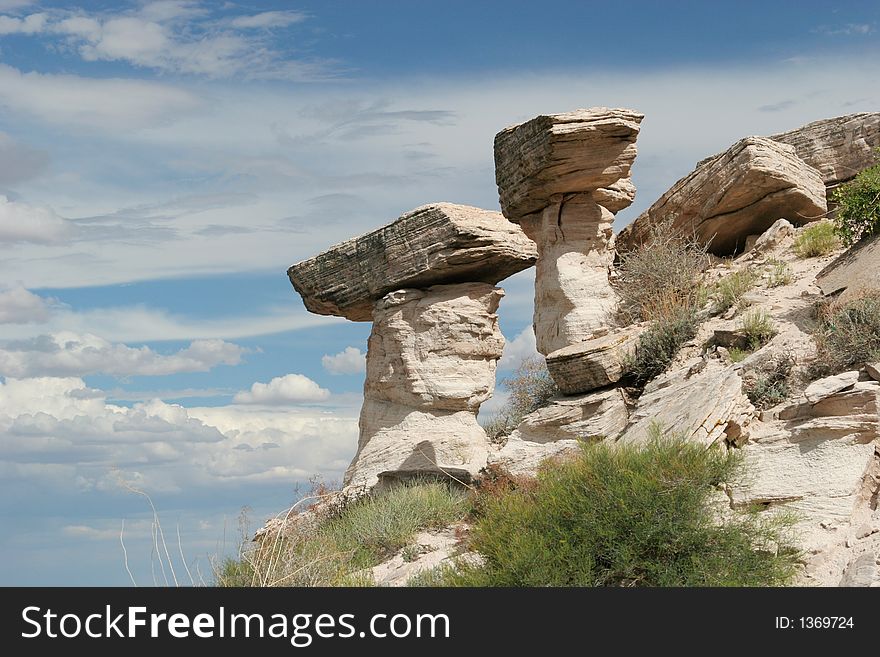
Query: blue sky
{"points": [[163, 163]]}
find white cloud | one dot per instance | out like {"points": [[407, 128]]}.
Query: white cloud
{"points": [[20, 222], [350, 360], [31, 24], [521, 348], [99, 103], [70, 354], [19, 162], [20, 306], [268, 19], [288, 389]]}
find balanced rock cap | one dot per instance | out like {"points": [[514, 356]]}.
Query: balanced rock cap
{"points": [[579, 151], [435, 244]]}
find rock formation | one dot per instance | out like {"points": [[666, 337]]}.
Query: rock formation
{"points": [[837, 148], [554, 173], [854, 271], [431, 245], [594, 363], [738, 193], [427, 283]]}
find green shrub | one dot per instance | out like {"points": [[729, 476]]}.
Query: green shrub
{"points": [[771, 383], [779, 274], [531, 388], [624, 515], [848, 334], [738, 355], [729, 291], [334, 548], [656, 348], [858, 206], [661, 277], [817, 239], [758, 327]]}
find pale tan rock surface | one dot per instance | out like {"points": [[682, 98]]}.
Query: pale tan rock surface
{"points": [[838, 148], [573, 296], [730, 196], [701, 400], [594, 363], [430, 364], [434, 244], [825, 387], [577, 151], [854, 271]]}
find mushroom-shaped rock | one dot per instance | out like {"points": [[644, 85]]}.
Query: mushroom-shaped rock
{"points": [[578, 151], [431, 245], [838, 148], [738, 193]]}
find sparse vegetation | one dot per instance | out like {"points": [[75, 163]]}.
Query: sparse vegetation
{"points": [[758, 328], [662, 277], [738, 355], [626, 516], [779, 273], [531, 388], [858, 206], [848, 334], [334, 546], [770, 384], [729, 291], [815, 240], [657, 347]]}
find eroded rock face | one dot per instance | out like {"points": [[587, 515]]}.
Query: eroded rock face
{"points": [[434, 244], [573, 296], [838, 148], [578, 151], [594, 363], [430, 364], [855, 270], [738, 193]]}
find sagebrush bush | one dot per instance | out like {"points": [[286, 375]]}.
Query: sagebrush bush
{"points": [[333, 549], [729, 291], [780, 273], [848, 334], [661, 277], [770, 383], [531, 387], [815, 240], [657, 347], [758, 328], [624, 515], [858, 206]]}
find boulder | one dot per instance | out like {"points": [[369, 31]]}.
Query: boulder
{"points": [[594, 363], [838, 148], [578, 151], [730, 196], [773, 236], [435, 244], [573, 296], [855, 270], [700, 400], [819, 390]]}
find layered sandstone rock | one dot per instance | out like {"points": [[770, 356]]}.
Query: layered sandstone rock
{"points": [[738, 193], [854, 271], [431, 245], [838, 148], [430, 364], [594, 363], [561, 177]]}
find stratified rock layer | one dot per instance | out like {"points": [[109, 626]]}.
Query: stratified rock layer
{"points": [[430, 364], [838, 148], [738, 193], [594, 363], [855, 271], [577, 151], [435, 244]]}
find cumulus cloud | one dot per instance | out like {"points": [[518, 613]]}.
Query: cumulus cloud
{"points": [[288, 389], [350, 360], [521, 348], [71, 354], [31, 24], [20, 222], [20, 306]]}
